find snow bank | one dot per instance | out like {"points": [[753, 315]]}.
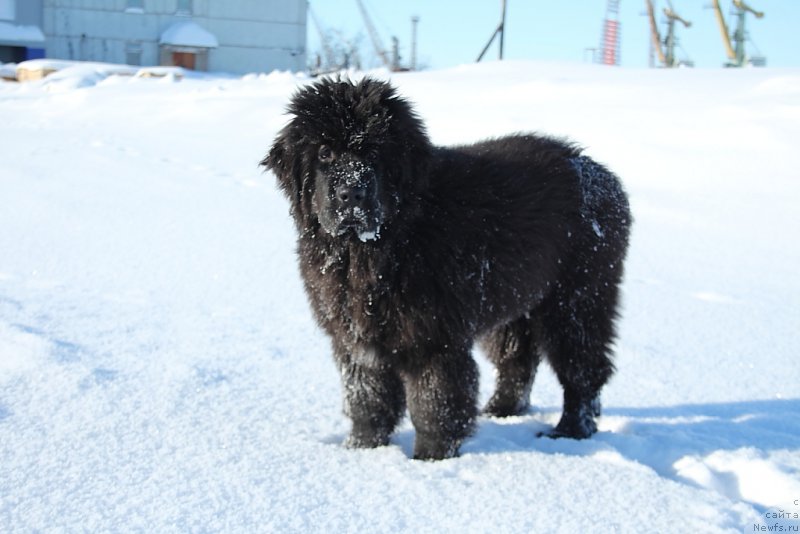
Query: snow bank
{"points": [[160, 369], [62, 75], [8, 71], [48, 64]]}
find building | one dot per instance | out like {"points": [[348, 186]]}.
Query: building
{"points": [[237, 36], [21, 35]]}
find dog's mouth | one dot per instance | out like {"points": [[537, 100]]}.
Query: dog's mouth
{"points": [[351, 227], [350, 223], [359, 225]]}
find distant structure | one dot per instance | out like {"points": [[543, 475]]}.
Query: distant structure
{"points": [[735, 44], [665, 49], [236, 36], [330, 62], [390, 61], [609, 45], [341, 53], [375, 37], [414, 23], [21, 35]]}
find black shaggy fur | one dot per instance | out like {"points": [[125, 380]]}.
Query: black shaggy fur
{"points": [[411, 252]]}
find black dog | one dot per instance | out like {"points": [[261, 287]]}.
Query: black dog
{"points": [[411, 252]]}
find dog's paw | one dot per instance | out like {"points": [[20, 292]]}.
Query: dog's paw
{"points": [[428, 448], [572, 427], [365, 441], [497, 407]]}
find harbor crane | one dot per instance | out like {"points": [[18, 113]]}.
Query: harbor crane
{"points": [[665, 49], [735, 44], [392, 63]]}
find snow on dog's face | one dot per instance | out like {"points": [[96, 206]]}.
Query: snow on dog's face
{"points": [[347, 195], [349, 157]]}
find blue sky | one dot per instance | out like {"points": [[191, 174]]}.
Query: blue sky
{"points": [[453, 32]]}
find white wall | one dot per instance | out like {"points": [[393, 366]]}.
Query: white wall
{"points": [[253, 35]]}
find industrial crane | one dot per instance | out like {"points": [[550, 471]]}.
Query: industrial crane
{"points": [[389, 63], [666, 53], [734, 45]]}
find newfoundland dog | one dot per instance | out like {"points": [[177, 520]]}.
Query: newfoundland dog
{"points": [[410, 253]]}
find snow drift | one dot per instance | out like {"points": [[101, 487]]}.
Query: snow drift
{"points": [[160, 370]]}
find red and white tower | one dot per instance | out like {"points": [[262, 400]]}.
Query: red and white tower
{"points": [[609, 46]]}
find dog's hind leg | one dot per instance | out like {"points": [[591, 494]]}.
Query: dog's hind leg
{"points": [[579, 331], [512, 349]]}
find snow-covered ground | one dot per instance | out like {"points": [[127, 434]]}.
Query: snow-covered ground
{"points": [[160, 370]]}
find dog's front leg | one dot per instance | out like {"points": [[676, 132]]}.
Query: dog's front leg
{"points": [[373, 398], [442, 390]]}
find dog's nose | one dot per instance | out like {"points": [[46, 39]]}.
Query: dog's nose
{"points": [[351, 195]]}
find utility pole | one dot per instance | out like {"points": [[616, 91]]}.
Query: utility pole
{"points": [[501, 30], [395, 54], [414, 22]]}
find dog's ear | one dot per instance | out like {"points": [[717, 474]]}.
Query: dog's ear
{"points": [[411, 139], [282, 161]]}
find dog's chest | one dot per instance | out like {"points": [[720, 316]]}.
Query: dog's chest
{"points": [[368, 297], [353, 292]]}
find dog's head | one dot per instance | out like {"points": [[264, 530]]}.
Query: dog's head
{"points": [[350, 156]]}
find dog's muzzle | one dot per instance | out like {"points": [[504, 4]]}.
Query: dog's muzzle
{"points": [[355, 200]]}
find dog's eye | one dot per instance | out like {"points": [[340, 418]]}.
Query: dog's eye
{"points": [[325, 153]]}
